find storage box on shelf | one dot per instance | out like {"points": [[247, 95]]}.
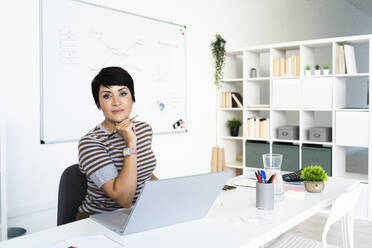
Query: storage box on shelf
{"points": [[291, 157], [313, 119], [282, 119], [334, 106], [317, 155]]}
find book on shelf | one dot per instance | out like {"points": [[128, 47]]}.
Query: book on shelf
{"points": [[337, 58], [350, 59], [236, 97], [231, 100], [258, 128], [297, 65], [341, 60], [286, 66]]}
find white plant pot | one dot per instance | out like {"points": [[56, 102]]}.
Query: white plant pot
{"points": [[308, 73], [317, 72], [326, 72]]}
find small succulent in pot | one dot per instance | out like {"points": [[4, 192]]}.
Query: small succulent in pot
{"points": [[325, 69], [317, 70], [314, 176]]}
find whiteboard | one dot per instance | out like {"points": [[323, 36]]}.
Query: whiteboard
{"points": [[79, 38]]}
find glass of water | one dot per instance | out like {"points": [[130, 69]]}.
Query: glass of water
{"points": [[272, 164]]}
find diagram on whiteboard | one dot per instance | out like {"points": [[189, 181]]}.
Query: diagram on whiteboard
{"points": [[67, 47]]}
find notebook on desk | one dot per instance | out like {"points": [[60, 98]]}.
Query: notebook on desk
{"points": [[167, 202]]}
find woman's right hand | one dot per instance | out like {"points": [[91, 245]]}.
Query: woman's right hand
{"points": [[127, 130]]}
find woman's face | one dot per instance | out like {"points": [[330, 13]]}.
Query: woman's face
{"points": [[115, 102]]}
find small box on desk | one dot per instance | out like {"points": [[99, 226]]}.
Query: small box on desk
{"points": [[288, 132], [320, 134]]}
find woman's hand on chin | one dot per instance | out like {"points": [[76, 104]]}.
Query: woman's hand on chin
{"points": [[127, 130]]}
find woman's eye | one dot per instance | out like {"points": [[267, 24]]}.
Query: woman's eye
{"points": [[106, 96], [123, 93]]}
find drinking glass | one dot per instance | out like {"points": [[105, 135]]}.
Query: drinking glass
{"points": [[272, 164]]}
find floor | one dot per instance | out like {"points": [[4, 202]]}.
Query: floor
{"points": [[311, 228]]}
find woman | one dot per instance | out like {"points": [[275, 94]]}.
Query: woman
{"points": [[116, 156]]}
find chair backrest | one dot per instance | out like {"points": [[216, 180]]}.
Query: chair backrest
{"points": [[342, 209], [72, 190]]}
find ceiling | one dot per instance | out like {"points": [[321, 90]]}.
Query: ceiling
{"points": [[363, 5]]}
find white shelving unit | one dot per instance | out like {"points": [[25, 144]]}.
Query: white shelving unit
{"points": [[340, 101]]}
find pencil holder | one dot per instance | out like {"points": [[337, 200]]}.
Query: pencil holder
{"points": [[265, 196]]}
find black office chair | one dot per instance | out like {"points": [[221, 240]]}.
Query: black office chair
{"points": [[72, 190]]}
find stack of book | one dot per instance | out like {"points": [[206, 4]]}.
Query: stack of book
{"points": [[286, 66], [345, 60], [258, 128], [231, 100]]}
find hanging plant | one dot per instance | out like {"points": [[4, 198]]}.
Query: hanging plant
{"points": [[219, 54]]}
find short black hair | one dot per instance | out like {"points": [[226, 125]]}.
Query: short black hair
{"points": [[110, 76]]}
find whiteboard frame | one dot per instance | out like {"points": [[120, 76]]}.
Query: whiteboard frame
{"points": [[42, 141]]}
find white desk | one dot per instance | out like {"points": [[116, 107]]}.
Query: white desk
{"points": [[216, 230]]}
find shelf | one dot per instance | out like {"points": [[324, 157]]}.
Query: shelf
{"points": [[286, 141], [291, 77], [318, 76], [233, 138], [316, 143], [231, 109], [258, 79], [286, 109], [257, 109], [353, 75], [350, 145], [315, 109], [232, 80], [352, 110], [257, 139]]}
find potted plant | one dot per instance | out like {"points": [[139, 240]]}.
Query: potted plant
{"points": [[234, 125], [314, 177], [325, 69], [307, 70], [219, 55], [317, 70]]}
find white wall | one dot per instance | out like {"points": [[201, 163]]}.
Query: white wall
{"points": [[34, 169]]}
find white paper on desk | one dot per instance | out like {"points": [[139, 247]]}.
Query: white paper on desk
{"points": [[97, 241], [246, 182]]}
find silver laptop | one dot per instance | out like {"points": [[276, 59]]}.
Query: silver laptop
{"points": [[167, 202]]}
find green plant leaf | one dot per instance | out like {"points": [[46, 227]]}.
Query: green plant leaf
{"points": [[219, 55], [314, 173], [234, 122]]}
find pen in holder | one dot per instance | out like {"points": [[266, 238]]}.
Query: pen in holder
{"points": [[265, 196]]}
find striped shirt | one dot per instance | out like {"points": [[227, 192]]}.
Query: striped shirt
{"points": [[101, 159]]}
